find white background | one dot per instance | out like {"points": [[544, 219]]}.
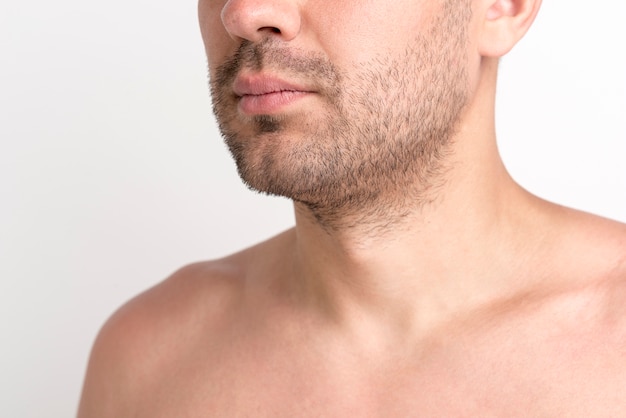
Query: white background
{"points": [[112, 173]]}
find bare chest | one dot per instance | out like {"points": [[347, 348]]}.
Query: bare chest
{"points": [[508, 380]]}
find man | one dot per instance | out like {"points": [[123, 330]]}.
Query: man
{"points": [[419, 280]]}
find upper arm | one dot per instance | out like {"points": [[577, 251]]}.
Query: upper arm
{"points": [[113, 370]]}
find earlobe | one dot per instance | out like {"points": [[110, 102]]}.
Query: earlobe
{"points": [[504, 23]]}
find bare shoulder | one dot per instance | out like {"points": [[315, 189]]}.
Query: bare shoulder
{"points": [[596, 347], [142, 337], [581, 270], [594, 248], [588, 246], [610, 237], [594, 256], [608, 233]]}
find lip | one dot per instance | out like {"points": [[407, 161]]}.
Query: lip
{"points": [[265, 95]]}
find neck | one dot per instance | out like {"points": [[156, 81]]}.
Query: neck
{"points": [[440, 259], [436, 264]]}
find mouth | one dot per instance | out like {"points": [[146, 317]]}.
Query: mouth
{"points": [[264, 95]]}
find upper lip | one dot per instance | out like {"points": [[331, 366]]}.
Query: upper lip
{"points": [[259, 84]]}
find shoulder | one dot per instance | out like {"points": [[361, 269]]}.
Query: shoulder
{"points": [[197, 292], [195, 310], [597, 261], [586, 247], [595, 255], [605, 243], [581, 267], [608, 233], [141, 337]]}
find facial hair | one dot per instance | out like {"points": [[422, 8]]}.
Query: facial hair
{"points": [[378, 144]]}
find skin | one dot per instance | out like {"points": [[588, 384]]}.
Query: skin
{"points": [[331, 152], [471, 298]]}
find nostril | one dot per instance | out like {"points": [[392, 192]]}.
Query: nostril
{"points": [[272, 29]]}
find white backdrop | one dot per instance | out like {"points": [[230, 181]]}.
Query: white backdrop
{"points": [[112, 173]]}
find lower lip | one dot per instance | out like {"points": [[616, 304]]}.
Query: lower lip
{"points": [[270, 103]]}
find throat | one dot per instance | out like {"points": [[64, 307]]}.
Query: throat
{"points": [[372, 214]]}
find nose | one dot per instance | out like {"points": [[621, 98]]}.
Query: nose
{"points": [[254, 20]]}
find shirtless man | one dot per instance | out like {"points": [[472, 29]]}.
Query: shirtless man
{"points": [[419, 280]]}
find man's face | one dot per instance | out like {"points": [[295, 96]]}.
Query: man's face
{"points": [[337, 104]]}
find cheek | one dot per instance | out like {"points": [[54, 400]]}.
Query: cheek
{"points": [[217, 42], [364, 30], [474, 60]]}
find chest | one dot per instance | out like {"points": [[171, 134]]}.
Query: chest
{"points": [[516, 380]]}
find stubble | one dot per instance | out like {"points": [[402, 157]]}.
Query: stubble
{"points": [[376, 148]]}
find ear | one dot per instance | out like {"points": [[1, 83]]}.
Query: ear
{"points": [[503, 23]]}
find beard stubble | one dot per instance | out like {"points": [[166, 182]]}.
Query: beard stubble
{"points": [[378, 145]]}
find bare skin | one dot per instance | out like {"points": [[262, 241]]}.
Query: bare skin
{"points": [[238, 337], [484, 302]]}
